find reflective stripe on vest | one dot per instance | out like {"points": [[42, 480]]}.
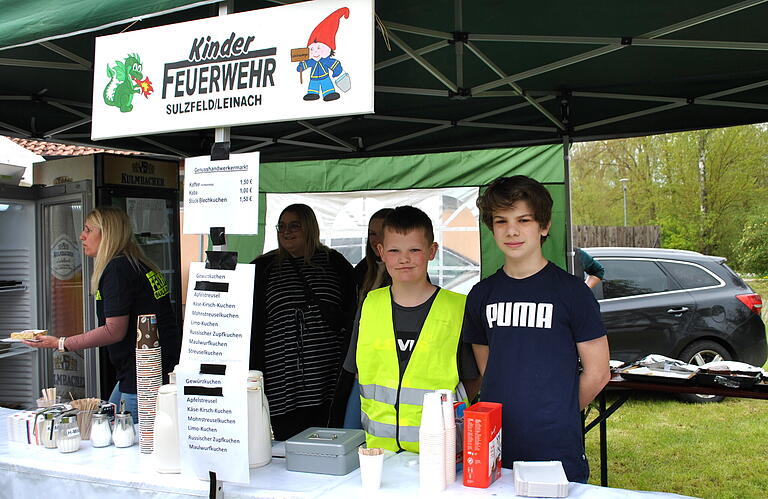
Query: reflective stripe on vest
{"points": [[386, 395], [387, 403]]}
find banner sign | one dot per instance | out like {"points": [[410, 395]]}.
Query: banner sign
{"points": [[292, 62], [222, 193]]}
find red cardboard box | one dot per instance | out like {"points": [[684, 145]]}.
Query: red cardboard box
{"points": [[482, 444]]}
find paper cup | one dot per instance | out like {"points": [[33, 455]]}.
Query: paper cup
{"points": [[432, 414], [370, 468]]}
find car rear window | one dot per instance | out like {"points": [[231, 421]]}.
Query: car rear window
{"points": [[736, 277], [690, 276], [633, 277]]}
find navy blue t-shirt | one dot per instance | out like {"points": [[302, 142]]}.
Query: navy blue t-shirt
{"points": [[532, 326], [127, 290]]}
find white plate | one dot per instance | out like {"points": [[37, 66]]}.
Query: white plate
{"points": [[14, 340], [540, 479]]}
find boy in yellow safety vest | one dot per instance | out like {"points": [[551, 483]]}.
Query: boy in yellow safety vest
{"points": [[406, 338]]}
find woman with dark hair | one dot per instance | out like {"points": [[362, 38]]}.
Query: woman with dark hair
{"points": [[304, 302], [126, 284]]}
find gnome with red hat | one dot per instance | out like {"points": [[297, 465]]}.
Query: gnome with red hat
{"points": [[322, 46]]}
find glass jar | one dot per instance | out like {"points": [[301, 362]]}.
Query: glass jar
{"points": [[123, 435], [49, 430], [69, 434], [101, 432]]}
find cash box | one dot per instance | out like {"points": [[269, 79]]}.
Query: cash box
{"points": [[332, 451]]}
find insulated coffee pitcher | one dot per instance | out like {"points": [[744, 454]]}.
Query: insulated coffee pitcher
{"points": [[259, 432]]}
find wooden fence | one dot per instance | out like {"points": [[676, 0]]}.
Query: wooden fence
{"points": [[644, 236]]}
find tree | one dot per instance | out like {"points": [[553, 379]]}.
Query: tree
{"points": [[698, 186], [752, 247]]}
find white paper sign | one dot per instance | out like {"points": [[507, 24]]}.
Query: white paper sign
{"points": [[212, 373], [217, 324], [222, 194], [213, 422], [301, 61]]}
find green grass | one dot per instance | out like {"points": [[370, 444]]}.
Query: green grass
{"points": [[656, 442], [761, 287]]}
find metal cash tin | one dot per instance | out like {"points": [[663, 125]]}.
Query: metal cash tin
{"points": [[331, 451]]}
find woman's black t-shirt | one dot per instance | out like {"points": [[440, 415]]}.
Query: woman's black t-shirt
{"points": [[127, 290]]}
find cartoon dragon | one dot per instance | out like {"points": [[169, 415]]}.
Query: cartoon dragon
{"points": [[125, 79]]}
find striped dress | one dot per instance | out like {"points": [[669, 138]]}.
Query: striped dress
{"points": [[302, 353]]}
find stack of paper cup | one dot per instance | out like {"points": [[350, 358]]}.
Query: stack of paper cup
{"points": [[432, 444], [149, 378], [449, 422]]}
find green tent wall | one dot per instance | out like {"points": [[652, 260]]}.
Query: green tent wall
{"points": [[427, 171]]}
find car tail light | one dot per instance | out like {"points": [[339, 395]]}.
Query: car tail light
{"points": [[752, 301]]}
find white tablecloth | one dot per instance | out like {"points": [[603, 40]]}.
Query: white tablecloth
{"points": [[109, 472]]}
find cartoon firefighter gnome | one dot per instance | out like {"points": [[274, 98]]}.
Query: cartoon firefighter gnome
{"points": [[318, 58]]}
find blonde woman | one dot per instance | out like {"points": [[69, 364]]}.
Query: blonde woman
{"points": [[370, 272], [304, 301], [126, 284]]}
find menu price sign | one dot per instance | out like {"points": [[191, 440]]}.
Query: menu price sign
{"points": [[217, 320], [212, 374], [214, 426], [222, 193]]}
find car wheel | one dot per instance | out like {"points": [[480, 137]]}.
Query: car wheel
{"points": [[698, 353]]}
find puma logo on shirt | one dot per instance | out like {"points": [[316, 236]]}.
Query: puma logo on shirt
{"points": [[519, 314]]}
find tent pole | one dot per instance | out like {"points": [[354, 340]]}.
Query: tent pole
{"points": [[628, 116], [423, 63], [459, 45], [569, 251], [222, 134], [496, 69], [405, 57], [607, 49], [327, 135], [168, 148], [69, 55]]}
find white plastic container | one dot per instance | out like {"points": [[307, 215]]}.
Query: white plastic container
{"points": [[540, 479]]}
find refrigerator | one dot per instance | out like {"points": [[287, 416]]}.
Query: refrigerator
{"points": [[147, 188], [44, 285]]}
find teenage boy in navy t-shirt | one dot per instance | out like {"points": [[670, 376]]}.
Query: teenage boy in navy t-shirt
{"points": [[529, 324]]}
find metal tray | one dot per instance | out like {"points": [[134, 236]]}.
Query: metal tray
{"points": [[761, 386], [653, 376], [731, 379]]}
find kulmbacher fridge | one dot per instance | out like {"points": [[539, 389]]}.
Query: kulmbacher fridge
{"points": [[147, 188]]}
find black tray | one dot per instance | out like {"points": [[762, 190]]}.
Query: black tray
{"points": [[740, 380], [762, 386], [628, 375]]}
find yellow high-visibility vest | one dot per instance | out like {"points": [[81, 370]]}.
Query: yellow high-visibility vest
{"points": [[391, 408]]}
